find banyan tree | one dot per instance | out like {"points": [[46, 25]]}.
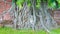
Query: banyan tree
{"points": [[31, 14], [34, 14]]}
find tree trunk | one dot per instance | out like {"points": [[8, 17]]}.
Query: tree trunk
{"points": [[48, 22]]}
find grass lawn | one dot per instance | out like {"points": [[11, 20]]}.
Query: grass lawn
{"points": [[7, 30]]}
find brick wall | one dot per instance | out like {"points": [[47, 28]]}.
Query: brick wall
{"points": [[4, 7], [57, 16]]}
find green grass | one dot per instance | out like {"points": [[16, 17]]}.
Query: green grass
{"points": [[55, 31], [7, 30]]}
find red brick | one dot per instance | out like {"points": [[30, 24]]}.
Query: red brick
{"points": [[9, 0]]}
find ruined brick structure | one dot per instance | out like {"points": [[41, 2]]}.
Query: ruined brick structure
{"points": [[57, 16], [4, 6]]}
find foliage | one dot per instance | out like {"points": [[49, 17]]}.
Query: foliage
{"points": [[19, 3], [51, 3]]}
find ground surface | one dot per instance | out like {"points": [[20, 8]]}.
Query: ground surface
{"points": [[7, 30]]}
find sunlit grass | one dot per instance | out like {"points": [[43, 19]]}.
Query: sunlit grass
{"points": [[7, 30], [55, 31]]}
